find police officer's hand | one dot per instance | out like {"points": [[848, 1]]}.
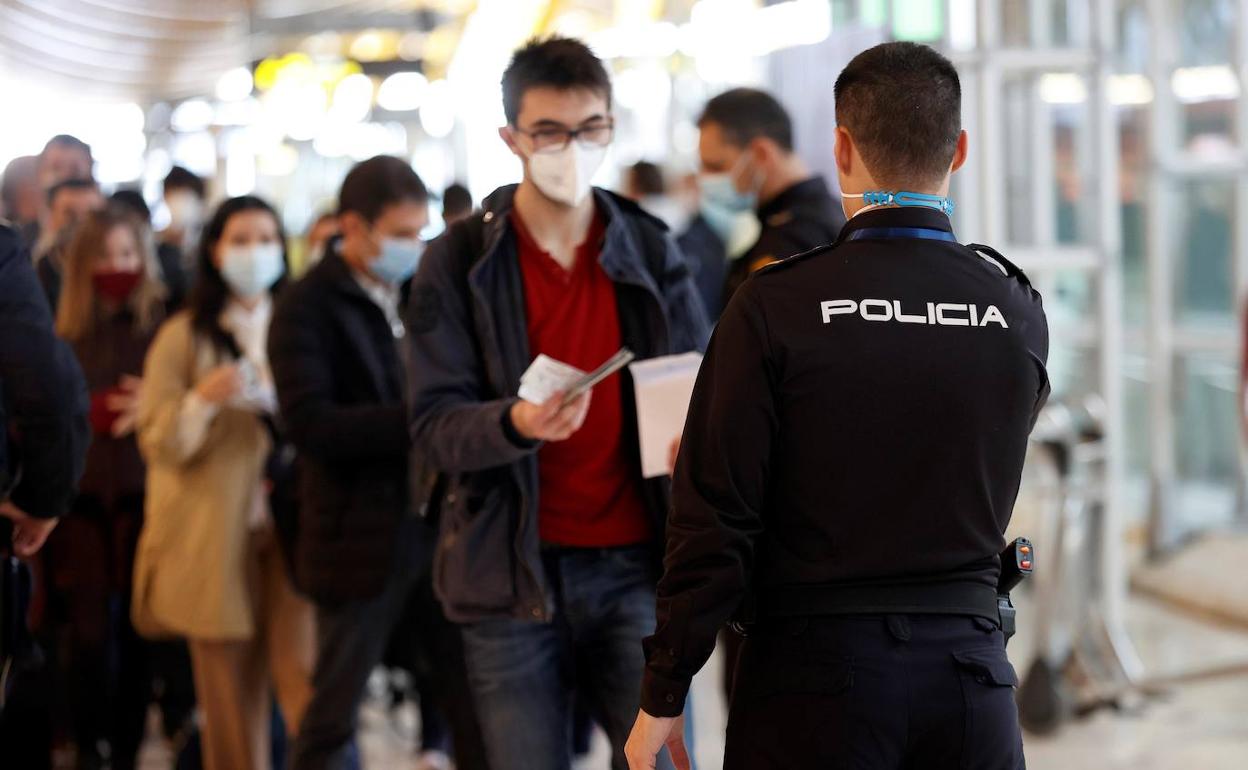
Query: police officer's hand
{"points": [[650, 734], [552, 421], [29, 533]]}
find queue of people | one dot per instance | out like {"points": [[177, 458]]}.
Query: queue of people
{"points": [[290, 477]]}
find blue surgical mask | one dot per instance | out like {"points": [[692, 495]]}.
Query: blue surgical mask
{"points": [[251, 270], [720, 219], [398, 260]]}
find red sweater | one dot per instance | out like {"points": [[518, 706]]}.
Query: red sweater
{"points": [[589, 491]]}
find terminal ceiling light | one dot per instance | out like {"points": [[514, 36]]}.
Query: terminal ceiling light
{"points": [[1205, 84], [192, 115], [353, 98], [235, 85], [437, 114], [402, 91]]}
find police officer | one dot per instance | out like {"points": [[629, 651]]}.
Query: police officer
{"points": [[854, 449], [748, 162]]}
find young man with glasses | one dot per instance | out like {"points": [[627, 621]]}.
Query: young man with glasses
{"points": [[550, 537]]}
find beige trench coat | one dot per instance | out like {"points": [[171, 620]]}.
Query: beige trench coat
{"points": [[190, 570]]}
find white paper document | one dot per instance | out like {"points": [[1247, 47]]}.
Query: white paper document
{"points": [[663, 387], [545, 377]]}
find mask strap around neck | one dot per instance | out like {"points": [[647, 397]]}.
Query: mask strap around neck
{"points": [[878, 198]]}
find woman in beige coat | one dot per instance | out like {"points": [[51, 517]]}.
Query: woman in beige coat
{"points": [[208, 566]]}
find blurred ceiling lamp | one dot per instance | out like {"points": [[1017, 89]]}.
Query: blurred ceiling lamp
{"points": [[1063, 88], [402, 91], [721, 28], [440, 45], [278, 161], [1130, 90], [323, 44], [639, 41], [235, 85], [437, 114], [353, 98], [374, 45], [191, 115], [1069, 88], [1204, 84]]}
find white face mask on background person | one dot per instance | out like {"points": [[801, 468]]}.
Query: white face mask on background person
{"points": [[186, 212], [565, 175], [251, 270]]}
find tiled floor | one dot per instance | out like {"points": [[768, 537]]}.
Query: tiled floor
{"points": [[1192, 727]]}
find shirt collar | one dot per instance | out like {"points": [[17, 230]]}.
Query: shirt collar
{"points": [[897, 216]]}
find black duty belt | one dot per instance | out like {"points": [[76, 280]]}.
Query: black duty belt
{"points": [[910, 599]]}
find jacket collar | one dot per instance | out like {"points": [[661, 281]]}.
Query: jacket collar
{"points": [[813, 188], [897, 216], [621, 255]]}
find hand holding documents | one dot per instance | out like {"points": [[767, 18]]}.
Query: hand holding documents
{"points": [[663, 387], [546, 377]]}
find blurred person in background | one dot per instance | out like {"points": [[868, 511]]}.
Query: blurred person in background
{"points": [[209, 567], [748, 162], [185, 196], [64, 157], [705, 245], [169, 259], [550, 537], [644, 184], [324, 229], [22, 197], [113, 300], [456, 204], [69, 203], [364, 546]]}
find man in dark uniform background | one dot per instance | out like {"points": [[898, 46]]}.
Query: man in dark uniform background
{"points": [[748, 162], [853, 452]]}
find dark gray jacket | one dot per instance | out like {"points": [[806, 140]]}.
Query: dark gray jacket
{"points": [[469, 347]]}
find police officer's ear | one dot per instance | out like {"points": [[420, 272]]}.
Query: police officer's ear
{"points": [[843, 151], [959, 154]]}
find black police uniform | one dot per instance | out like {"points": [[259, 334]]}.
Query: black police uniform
{"points": [[800, 218], [851, 459]]}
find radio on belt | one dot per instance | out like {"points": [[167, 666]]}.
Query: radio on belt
{"points": [[1017, 562]]}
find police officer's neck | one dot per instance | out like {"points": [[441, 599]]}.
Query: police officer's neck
{"points": [[789, 170]]}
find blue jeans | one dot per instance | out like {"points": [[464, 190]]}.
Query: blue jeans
{"points": [[523, 673]]}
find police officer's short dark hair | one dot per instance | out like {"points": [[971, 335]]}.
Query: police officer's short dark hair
{"points": [[180, 178], [556, 62], [902, 103], [379, 182], [745, 114]]}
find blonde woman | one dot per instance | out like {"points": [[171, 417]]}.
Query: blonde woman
{"points": [[209, 566], [111, 303]]}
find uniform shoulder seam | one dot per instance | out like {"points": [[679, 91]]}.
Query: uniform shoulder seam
{"points": [[795, 259], [995, 258]]}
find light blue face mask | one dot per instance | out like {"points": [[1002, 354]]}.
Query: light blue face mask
{"points": [[720, 193], [251, 270], [398, 260]]}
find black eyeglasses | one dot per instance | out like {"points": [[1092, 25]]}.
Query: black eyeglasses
{"points": [[553, 139]]}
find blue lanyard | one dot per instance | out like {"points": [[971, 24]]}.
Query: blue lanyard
{"points": [[923, 233]]}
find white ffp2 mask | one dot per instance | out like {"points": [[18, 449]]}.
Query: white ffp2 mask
{"points": [[564, 176]]}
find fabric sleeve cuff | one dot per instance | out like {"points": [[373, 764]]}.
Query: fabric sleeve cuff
{"points": [[512, 434], [661, 696]]}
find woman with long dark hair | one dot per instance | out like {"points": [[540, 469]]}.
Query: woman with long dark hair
{"points": [[209, 566]]}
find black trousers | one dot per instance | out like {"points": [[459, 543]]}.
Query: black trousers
{"points": [[875, 692]]}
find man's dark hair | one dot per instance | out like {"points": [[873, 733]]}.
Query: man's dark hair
{"points": [[456, 200], [745, 114], [70, 184], [646, 178], [180, 178], [132, 201], [556, 62], [377, 183], [902, 103], [68, 142]]}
